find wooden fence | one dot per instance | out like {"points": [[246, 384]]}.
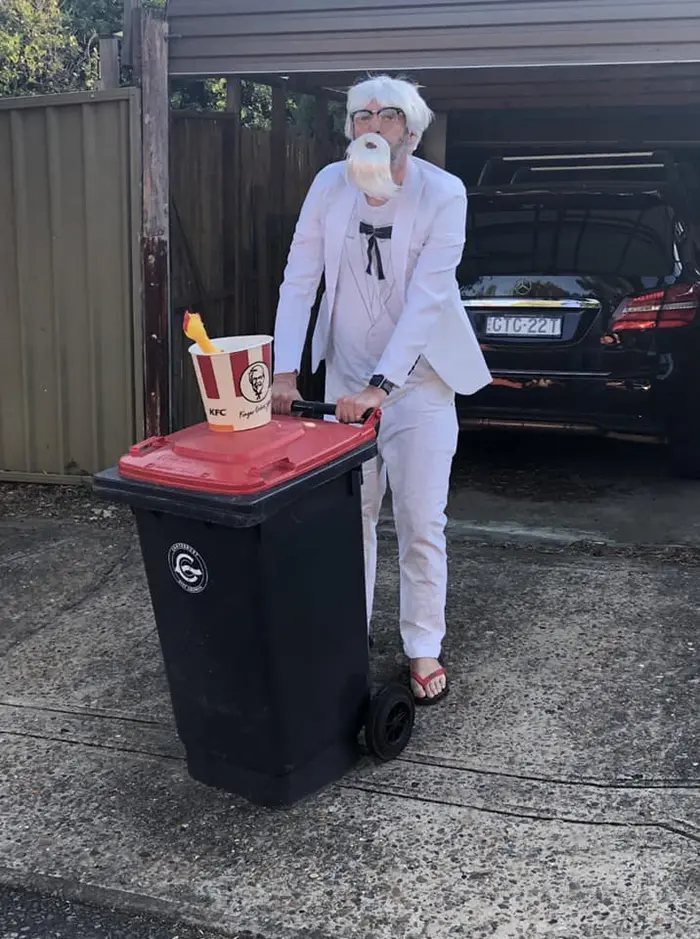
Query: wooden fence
{"points": [[235, 198]]}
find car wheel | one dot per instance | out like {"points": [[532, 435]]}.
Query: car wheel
{"points": [[685, 455]]}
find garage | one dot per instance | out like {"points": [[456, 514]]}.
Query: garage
{"points": [[509, 81]]}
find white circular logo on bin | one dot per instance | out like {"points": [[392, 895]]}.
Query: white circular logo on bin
{"points": [[188, 568], [255, 382]]}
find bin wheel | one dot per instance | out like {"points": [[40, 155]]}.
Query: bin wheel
{"points": [[390, 718]]}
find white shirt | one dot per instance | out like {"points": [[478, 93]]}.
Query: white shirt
{"points": [[366, 308]]}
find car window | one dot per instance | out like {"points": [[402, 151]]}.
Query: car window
{"points": [[628, 242]]}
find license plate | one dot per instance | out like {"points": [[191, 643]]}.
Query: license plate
{"points": [[530, 327]]}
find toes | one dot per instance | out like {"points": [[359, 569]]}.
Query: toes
{"points": [[436, 686]]}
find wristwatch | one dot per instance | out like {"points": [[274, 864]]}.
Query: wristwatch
{"points": [[379, 381]]}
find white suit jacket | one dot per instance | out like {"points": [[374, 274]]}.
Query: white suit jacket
{"points": [[426, 246]]}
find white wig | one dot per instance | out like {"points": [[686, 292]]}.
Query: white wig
{"points": [[390, 93]]}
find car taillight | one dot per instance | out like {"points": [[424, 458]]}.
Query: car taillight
{"points": [[663, 309]]}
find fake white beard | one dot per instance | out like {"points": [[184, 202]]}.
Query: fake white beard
{"points": [[369, 166]]}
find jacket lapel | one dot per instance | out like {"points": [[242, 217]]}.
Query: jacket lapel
{"points": [[404, 220], [336, 226]]}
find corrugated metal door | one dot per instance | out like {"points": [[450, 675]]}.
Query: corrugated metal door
{"points": [[222, 37], [71, 396]]}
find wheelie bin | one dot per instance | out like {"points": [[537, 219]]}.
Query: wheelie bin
{"points": [[252, 547]]}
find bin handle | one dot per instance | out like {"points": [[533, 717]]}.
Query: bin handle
{"points": [[273, 468], [323, 408], [151, 443]]}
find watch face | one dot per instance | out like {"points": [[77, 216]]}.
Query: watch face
{"points": [[379, 381]]}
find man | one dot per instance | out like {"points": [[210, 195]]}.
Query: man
{"points": [[257, 380], [388, 231]]}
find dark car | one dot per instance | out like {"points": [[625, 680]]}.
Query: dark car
{"points": [[581, 276]]}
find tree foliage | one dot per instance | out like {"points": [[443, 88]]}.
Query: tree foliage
{"points": [[38, 52], [209, 94], [93, 18], [49, 46]]}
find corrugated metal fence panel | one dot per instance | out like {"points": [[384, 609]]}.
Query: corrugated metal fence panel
{"points": [[70, 356], [217, 37]]}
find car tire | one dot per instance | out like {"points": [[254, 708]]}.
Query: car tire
{"points": [[685, 455]]}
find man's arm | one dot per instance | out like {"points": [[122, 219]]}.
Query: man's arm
{"points": [[429, 290], [302, 275]]}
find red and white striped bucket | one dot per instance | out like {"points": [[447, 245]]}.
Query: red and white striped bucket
{"points": [[235, 383]]}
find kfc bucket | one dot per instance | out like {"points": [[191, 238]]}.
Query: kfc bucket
{"points": [[235, 382]]}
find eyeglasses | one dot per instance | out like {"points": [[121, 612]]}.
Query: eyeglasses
{"points": [[387, 116]]}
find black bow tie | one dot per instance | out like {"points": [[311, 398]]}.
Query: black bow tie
{"points": [[372, 245]]}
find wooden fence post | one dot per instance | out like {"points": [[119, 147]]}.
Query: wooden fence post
{"points": [[434, 142], [130, 22], [155, 115], [321, 134], [231, 200], [278, 163], [109, 63]]}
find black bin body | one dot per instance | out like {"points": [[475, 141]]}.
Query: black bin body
{"points": [[260, 607]]}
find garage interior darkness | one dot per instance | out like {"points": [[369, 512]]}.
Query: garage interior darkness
{"points": [[482, 112], [544, 108]]}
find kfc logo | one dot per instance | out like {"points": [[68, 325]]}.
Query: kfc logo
{"points": [[255, 382]]}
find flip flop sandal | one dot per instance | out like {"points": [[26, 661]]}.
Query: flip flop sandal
{"points": [[424, 682]]}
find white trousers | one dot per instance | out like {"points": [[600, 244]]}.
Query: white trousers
{"points": [[417, 442]]}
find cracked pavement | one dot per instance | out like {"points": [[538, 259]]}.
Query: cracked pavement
{"points": [[555, 794]]}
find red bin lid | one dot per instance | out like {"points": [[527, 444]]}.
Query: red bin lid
{"points": [[243, 462]]}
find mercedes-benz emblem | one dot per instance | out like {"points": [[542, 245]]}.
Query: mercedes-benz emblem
{"points": [[523, 288]]}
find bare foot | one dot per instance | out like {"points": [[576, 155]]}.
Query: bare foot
{"points": [[424, 668]]}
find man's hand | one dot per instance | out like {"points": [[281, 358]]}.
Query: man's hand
{"points": [[350, 409], [284, 391]]}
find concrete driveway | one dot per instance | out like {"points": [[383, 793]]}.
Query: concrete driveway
{"points": [[555, 794]]}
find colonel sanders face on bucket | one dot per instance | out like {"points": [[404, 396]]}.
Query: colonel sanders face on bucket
{"points": [[383, 131], [258, 380]]}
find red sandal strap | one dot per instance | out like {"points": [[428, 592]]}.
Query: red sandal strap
{"points": [[424, 682]]}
